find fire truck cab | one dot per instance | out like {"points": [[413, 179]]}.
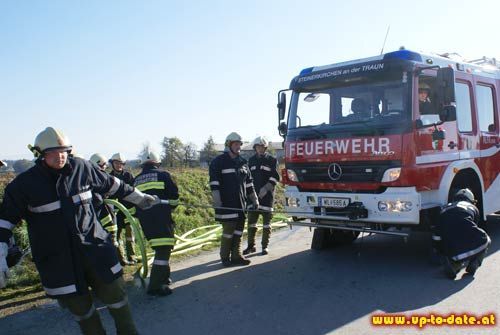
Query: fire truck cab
{"points": [[381, 143]]}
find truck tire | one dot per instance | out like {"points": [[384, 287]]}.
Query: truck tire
{"points": [[321, 239]]}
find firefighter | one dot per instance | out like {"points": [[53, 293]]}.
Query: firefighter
{"points": [[105, 212], [117, 164], [425, 105], [231, 185], [71, 250], [460, 240], [157, 223], [264, 169]]}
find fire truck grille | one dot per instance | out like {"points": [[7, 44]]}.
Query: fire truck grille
{"points": [[342, 172]]}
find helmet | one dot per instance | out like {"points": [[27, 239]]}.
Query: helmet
{"points": [[2, 163], [260, 141], [150, 157], [424, 87], [233, 137], [465, 194], [50, 139], [116, 157], [98, 159]]}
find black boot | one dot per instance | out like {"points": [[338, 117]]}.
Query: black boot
{"points": [[250, 249], [240, 261]]}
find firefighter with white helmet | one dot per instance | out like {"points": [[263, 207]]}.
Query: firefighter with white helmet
{"points": [[264, 169], [118, 171], [157, 223], [458, 237], [231, 184], [70, 248], [104, 211]]}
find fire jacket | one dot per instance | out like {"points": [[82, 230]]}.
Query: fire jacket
{"points": [[232, 177], [105, 213], [128, 179], [157, 222], [264, 169], [458, 233], [63, 227]]}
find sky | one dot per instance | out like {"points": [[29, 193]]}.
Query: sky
{"points": [[114, 75]]}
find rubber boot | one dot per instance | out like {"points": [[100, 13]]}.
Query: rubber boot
{"points": [[160, 273], [129, 245], [236, 257], [226, 242]]}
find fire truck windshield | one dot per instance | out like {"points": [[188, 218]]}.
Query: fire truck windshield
{"points": [[374, 103]]}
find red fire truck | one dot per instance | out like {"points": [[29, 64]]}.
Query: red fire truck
{"points": [[381, 143]]}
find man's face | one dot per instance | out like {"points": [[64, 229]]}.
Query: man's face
{"points": [[118, 166], [235, 147], [56, 159], [260, 149], [422, 95]]}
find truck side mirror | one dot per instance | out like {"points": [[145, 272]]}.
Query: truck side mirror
{"points": [[448, 113], [282, 128], [281, 106], [445, 86]]}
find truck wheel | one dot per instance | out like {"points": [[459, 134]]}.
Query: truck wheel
{"points": [[321, 238]]}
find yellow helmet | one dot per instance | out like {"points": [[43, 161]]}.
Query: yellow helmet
{"points": [[51, 139], [233, 137], [116, 157], [98, 159], [150, 157]]}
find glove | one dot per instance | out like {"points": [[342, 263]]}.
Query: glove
{"points": [[4, 269], [216, 198], [148, 201], [254, 200], [264, 189]]}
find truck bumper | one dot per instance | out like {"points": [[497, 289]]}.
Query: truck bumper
{"points": [[396, 206]]}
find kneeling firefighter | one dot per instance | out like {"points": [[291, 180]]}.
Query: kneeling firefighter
{"points": [[157, 222], [458, 237]]}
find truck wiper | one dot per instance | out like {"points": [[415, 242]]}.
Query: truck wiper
{"points": [[322, 134]]}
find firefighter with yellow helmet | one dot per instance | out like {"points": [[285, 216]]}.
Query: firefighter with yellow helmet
{"points": [[157, 223], [70, 248], [232, 186], [118, 171], [264, 169]]}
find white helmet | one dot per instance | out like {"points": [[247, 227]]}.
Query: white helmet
{"points": [[150, 157], [465, 194], [116, 157], [260, 141], [98, 159], [233, 137], [2, 163], [51, 139]]}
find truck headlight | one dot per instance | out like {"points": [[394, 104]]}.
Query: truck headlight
{"points": [[391, 174], [292, 176], [292, 202], [395, 206]]}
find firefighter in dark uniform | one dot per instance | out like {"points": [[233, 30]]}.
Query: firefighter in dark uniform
{"points": [[70, 248], [264, 169], [105, 212], [117, 171], [157, 222], [458, 237], [232, 186]]}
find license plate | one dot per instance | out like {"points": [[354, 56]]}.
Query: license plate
{"points": [[335, 202]]}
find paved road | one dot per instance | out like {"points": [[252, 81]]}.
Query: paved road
{"points": [[295, 290]]}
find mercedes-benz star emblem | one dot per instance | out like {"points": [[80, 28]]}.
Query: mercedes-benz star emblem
{"points": [[334, 171]]}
